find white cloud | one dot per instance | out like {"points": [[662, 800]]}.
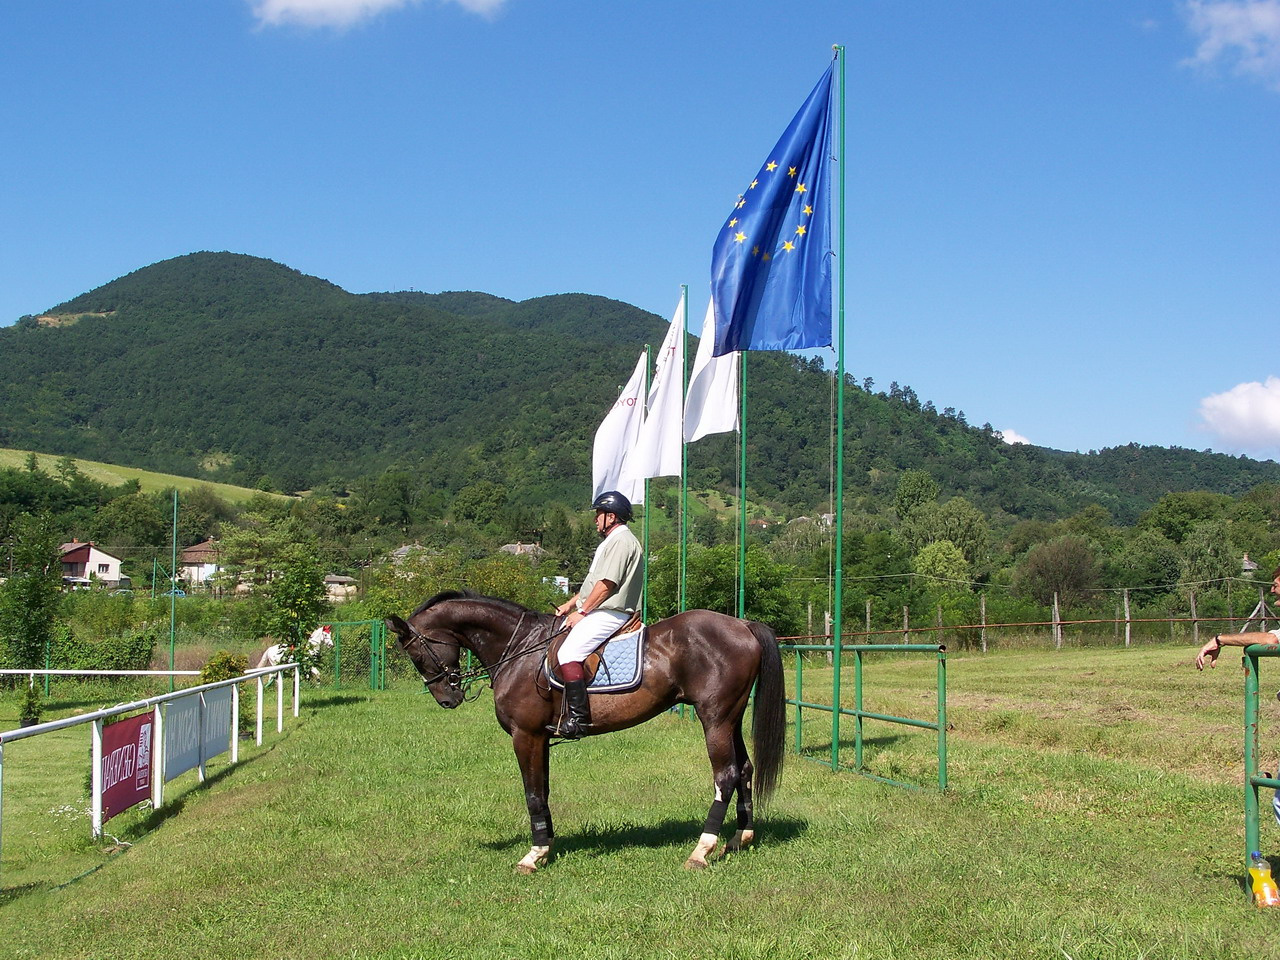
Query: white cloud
{"points": [[1012, 436], [346, 13], [1247, 416], [1242, 33]]}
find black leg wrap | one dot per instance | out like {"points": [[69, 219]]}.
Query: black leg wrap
{"points": [[542, 832], [745, 818], [715, 816]]}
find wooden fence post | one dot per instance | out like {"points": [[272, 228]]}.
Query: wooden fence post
{"points": [[1057, 624], [1128, 620], [1195, 622], [982, 610]]}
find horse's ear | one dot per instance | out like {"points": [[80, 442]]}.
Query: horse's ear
{"points": [[398, 626]]}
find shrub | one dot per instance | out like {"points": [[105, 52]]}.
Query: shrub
{"points": [[32, 707], [225, 666], [132, 651]]}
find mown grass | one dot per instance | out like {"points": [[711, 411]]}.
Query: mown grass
{"points": [[1094, 811]]}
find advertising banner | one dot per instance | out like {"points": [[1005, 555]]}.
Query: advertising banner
{"points": [[181, 735], [215, 732], [126, 764]]}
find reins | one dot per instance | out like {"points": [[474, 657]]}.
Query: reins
{"points": [[457, 677]]}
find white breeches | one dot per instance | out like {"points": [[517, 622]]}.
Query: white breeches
{"points": [[591, 631]]}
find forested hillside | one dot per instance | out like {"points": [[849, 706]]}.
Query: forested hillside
{"points": [[460, 422], [238, 369]]}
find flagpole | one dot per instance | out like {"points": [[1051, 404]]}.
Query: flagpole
{"points": [[684, 454], [742, 484], [837, 614], [644, 595]]}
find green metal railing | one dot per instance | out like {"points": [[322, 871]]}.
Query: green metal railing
{"points": [[1252, 779], [377, 650], [860, 715]]}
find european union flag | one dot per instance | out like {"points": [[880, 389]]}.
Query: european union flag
{"points": [[771, 265]]}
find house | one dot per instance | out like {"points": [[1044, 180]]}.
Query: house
{"points": [[337, 587], [84, 562], [522, 550], [198, 563]]}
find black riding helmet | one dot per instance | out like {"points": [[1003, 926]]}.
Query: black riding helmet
{"points": [[611, 501]]}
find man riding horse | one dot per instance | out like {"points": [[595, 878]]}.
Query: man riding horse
{"points": [[608, 597]]}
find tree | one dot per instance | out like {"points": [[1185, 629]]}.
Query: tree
{"points": [[944, 563], [1066, 566], [295, 600], [915, 489], [29, 598]]}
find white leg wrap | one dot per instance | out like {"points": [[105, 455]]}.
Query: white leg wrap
{"points": [[698, 859], [535, 858]]}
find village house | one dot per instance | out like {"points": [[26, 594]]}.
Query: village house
{"points": [[84, 563], [338, 588], [197, 564]]}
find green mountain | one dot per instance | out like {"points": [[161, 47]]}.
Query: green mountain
{"points": [[237, 369]]}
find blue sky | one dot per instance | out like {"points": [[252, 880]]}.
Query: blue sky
{"points": [[1063, 217]]}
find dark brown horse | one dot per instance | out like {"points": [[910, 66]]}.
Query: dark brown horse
{"points": [[700, 658]]}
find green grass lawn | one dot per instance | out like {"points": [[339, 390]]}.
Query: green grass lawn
{"points": [[1095, 810]]}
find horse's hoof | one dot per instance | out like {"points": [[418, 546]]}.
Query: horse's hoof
{"points": [[692, 864], [525, 869]]}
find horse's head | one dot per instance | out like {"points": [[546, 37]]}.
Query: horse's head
{"points": [[435, 652]]}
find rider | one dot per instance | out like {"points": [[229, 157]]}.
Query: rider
{"points": [[605, 601]]}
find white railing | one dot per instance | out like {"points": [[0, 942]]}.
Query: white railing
{"points": [[98, 717]]}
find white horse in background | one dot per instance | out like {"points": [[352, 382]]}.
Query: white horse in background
{"points": [[275, 654]]}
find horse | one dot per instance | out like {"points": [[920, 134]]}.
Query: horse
{"points": [[275, 655], [705, 659]]}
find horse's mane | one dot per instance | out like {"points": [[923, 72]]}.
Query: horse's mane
{"points": [[444, 595]]}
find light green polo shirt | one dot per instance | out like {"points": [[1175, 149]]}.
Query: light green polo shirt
{"points": [[619, 559]]}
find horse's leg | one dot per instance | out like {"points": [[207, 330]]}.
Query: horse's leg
{"points": [[746, 832], [533, 753], [725, 776]]}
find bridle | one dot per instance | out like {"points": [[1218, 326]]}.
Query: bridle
{"points": [[454, 675]]}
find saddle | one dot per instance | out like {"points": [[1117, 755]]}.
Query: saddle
{"points": [[632, 629]]}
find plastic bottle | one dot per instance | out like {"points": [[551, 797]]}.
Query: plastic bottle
{"points": [[1265, 893]]}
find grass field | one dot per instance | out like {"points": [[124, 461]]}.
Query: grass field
{"points": [[1094, 812], [114, 476]]}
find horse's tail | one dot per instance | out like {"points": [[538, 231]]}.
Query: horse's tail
{"points": [[769, 722]]}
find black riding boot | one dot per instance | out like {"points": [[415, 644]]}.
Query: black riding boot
{"points": [[577, 710]]}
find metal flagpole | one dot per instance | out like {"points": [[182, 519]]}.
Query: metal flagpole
{"points": [[684, 455], [173, 590], [742, 484], [837, 617], [644, 593]]}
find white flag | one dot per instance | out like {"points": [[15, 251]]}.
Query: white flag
{"points": [[615, 436], [658, 449], [712, 403]]}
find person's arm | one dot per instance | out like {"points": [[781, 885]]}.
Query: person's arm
{"points": [[597, 596], [1209, 652], [568, 605]]}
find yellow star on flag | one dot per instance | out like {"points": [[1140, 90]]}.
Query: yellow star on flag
{"points": [[771, 166], [739, 237], [801, 188], [788, 245], [801, 230]]}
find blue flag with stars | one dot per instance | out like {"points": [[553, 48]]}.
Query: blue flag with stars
{"points": [[771, 265]]}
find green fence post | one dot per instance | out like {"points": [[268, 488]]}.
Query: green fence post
{"points": [[857, 706], [942, 717]]}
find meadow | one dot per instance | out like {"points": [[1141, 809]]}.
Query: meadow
{"points": [[114, 475], [1094, 811]]}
